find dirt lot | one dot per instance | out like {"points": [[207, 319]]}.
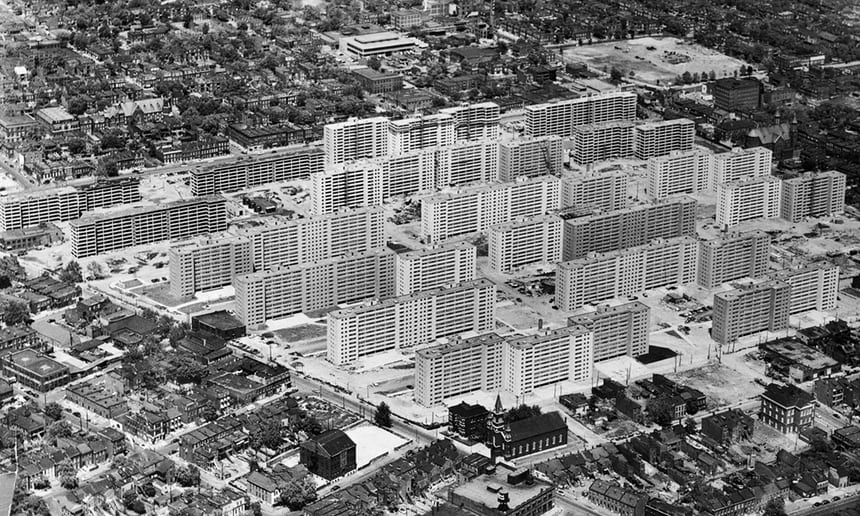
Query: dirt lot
{"points": [[669, 58], [301, 333], [721, 384]]}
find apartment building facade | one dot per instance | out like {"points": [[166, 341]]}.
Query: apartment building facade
{"points": [[530, 157], [606, 191], [476, 209], [618, 330], [98, 234], [435, 267], [625, 272], [523, 242], [475, 121], [552, 356], [21, 210], [680, 172], [661, 138], [751, 199], [208, 262], [256, 170], [559, 118], [733, 257], [760, 307], [284, 291], [813, 287], [355, 139], [813, 194], [598, 142], [350, 185], [405, 321], [629, 227], [741, 164], [423, 132], [458, 367]]}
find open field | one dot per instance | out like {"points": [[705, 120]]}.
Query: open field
{"points": [[669, 58]]}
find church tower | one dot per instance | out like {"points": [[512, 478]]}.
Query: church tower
{"points": [[499, 433]]}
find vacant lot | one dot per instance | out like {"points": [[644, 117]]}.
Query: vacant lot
{"points": [[654, 60]]}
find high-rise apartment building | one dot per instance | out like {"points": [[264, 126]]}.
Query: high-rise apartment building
{"points": [[741, 164], [680, 172], [279, 242], [751, 309], [638, 225], [355, 139], [626, 272], [661, 138], [438, 266], [458, 367], [530, 157], [733, 257], [618, 330], [739, 201], [475, 121], [813, 194], [208, 262], [530, 362], [465, 162], [284, 291], [348, 185], [523, 242], [605, 191], [405, 321], [102, 233], [813, 287], [411, 134], [599, 142], [559, 118], [475, 209], [256, 170], [25, 209]]}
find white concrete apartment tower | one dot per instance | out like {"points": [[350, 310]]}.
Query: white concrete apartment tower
{"points": [[355, 139], [438, 266]]}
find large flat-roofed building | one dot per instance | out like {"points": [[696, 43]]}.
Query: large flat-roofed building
{"points": [[605, 191], [529, 157], [466, 162], [438, 266], [638, 225], [285, 291], [559, 118], [626, 272], [733, 257], [741, 164], [355, 139], [732, 93], [813, 287], [526, 241], [751, 309], [563, 354], [787, 408], [349, 185], [599, 142], [475, 121], [280, 242], [378, 82], [209, 262], [27, 209], [416, 133], [484, 495], [405, 321], [379, 44], [256, 170], [618, 330], [476, 209], [661, 138], [813, 194], [97, 397], [458, 367], [58, 120], [98, 234], [740, 201], [34, 370], [680, 172]]}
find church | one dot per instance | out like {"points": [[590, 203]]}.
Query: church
{"points": [[524, 437]]}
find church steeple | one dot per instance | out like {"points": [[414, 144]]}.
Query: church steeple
{"points": [[498, 407]]}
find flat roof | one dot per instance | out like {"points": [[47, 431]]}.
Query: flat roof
{"points": [[393, 301], [457, 344], [55, 114], [377, 37], [444, 248], [36, 363], [654, 244], [221, 319], [485, 489], [139, 210]]}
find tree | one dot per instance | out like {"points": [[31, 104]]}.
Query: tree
{"points": [[15, 313], [267, 436], [382, 417], [76, 146], [374, 63], [205, 29], [71, 273], [96, 271], [712, 75], [256, 510], [112, 141], [661, 410], [54, 411], [77, 106], [59, 429], [522, 412], [615, 75], [209, 412], [187, 20], [690, 426], [67, 474], [296, 495], [775, 507], [189, 476], [687, 77], [177, 333]]}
